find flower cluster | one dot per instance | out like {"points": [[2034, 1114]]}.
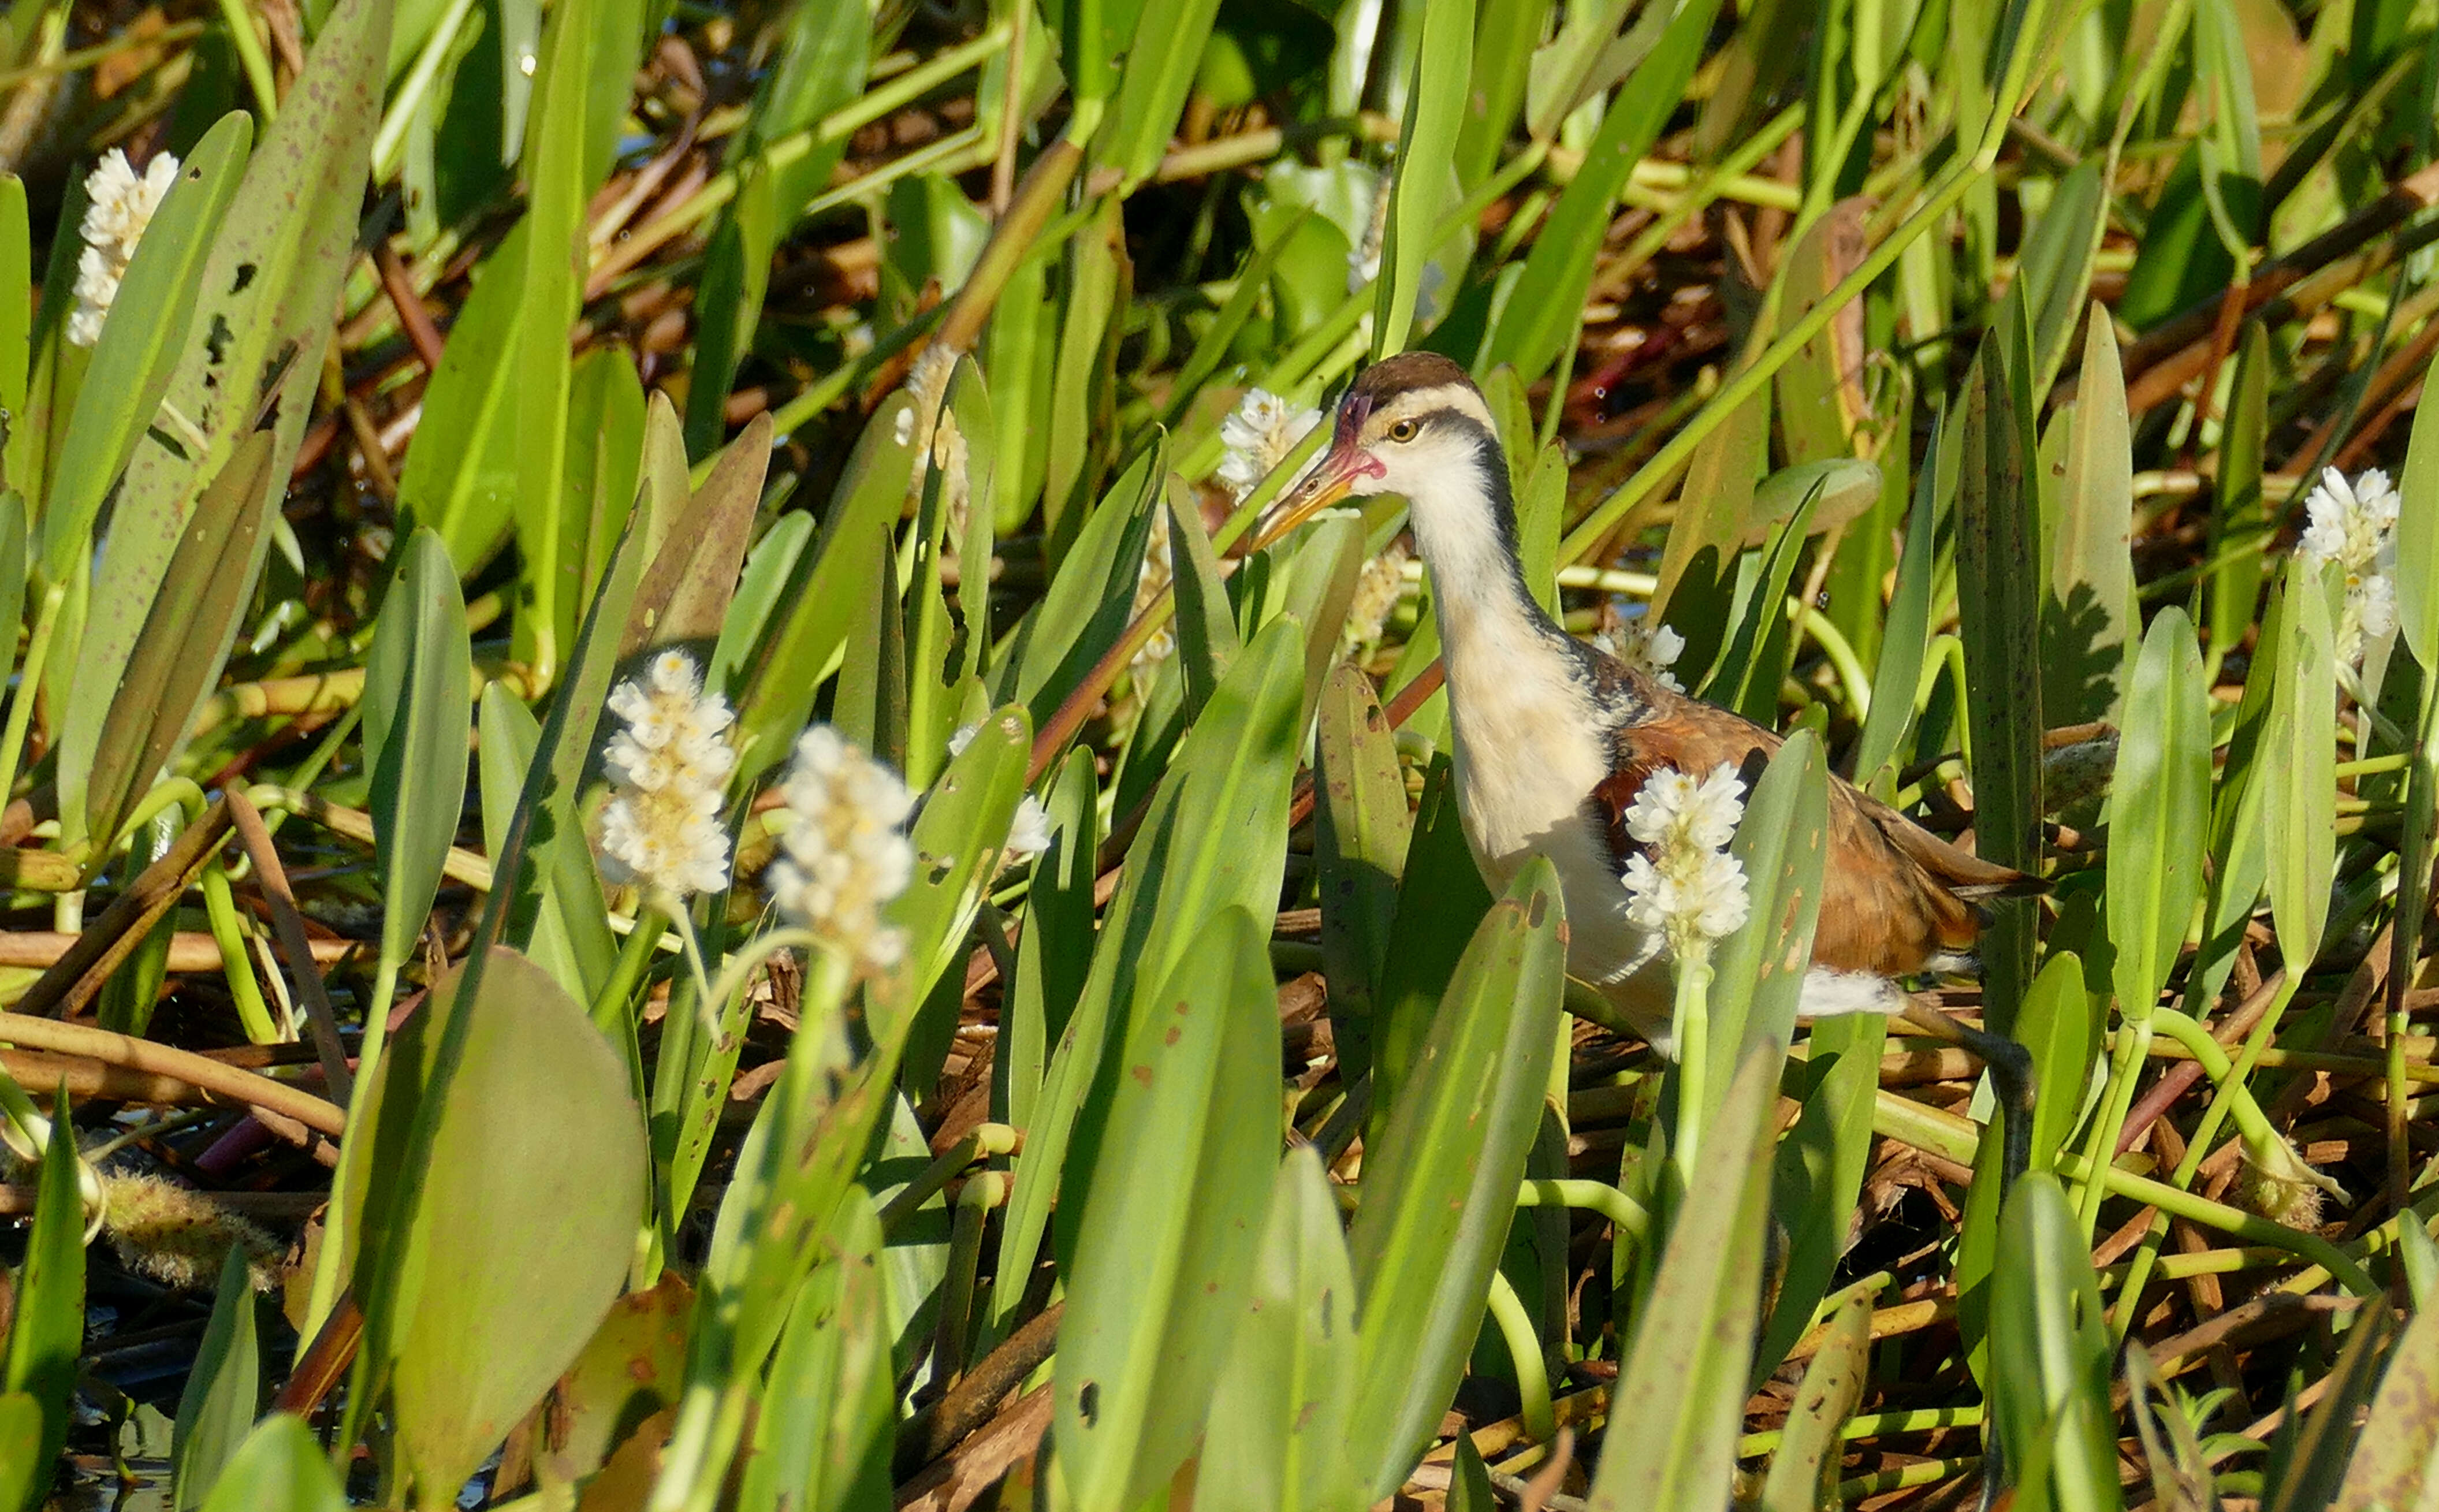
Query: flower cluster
{"points": [[1259, 434], [847, 855], [667, 768], [1029, 833], [2355, 525], [1377, 592], [1151, 580], [1649, 649], [119, 205], [1683, 884]]}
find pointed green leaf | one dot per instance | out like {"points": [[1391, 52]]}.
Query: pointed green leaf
{"points": [[46, 1332], [223, 1389], [419, 680], [822, 1439], [280, 1467], [2159, 811]]}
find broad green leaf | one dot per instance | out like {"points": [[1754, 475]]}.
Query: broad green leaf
{"points": [[1419, 193], [1439, 1191], [2060, 1029], [629, 1371], [16, 327], [2306, 1467], [1998, 605], [522, 1223], [1083, 376], [1218, 825], [2159, 811], [1820, 393], [1441, 900], [263, 316], [736, 275], [1055, 953], [2049, 1354], [958, 840], [606, 430], [1088, 603], [1804, 1472], [2298, 760], [1506, 33], [2088, 615], [1693, 1338], [280, 1467], [223, 1389], [140, 349], [1747, 674], [1276, 1433], [782, 672], [756, 596], [47, 1329], [1171, 1223], [1361, 830], [2417, 540], [1533, 332], [1819, 1172], [2396, 1462], [1206, 626], [417, 713], [176, 658], [821, 1438]]}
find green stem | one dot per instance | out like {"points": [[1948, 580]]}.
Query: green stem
{"points": [[250, 56], [236, 963], [1585, 1195], [986, 1140], [2117, 1099], [1693, 1034], [29, 683], [1525, 1350], [390, 140]]}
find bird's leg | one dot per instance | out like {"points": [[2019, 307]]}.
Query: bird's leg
{"points": [[2011, 1077]]}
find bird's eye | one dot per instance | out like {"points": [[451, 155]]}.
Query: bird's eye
{"points": [[1405, 430]]}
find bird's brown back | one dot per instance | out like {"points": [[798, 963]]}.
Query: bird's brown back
{"points": [[1895, 896]]}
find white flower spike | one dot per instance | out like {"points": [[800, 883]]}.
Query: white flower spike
{"points": [[1259, 434], [120, 205], [662, 829], [847, 855], [2354, 524], [1684, 885]]}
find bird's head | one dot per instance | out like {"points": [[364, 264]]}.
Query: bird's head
{"points": [[1409, 425]]}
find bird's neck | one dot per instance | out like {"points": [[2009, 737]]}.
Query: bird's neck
{"points": [[1464, 526]]}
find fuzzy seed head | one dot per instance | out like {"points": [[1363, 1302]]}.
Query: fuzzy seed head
{"points": [[1259, 434], [846, 855], [667, 768], [1683, 884], [120, 205], [180, 1236], [2354, 524]]}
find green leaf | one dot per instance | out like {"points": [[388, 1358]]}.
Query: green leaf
{"points": [[2054, 270], [140, 349], [1152, 87], [280, 1467], [2240, 517], [177, 656], [2159, 811], [2088, 614], [606, 428], [1206, 624], [25, 1472], [522, 1223], [1782, 845], [1819, 1173], [958, 848], [1090, 601], [1218, 825], [252, 352], [685, 592], [419, 679], [629, 1371], [1997, 599], [2396, 1460], [1419, 194], [1441, 900], [1804, 1472], [567, 932], [2050, 1353], [1054, 955], [46, 1332], [1439, 1191], [1277, 1426], [2298, 762], [1169, 1226], [1361, 830], [223, 1388], [1905, 639], [821, 1438], [2060, 1031], [1693, 1338], [2417, 540], [783, 672], [736, 276], [1532, 332]]}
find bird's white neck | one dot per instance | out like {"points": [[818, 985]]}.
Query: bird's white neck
{"points": [[1527, 750]]}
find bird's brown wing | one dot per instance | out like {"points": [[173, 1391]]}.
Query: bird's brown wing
{"points": [[1895, 896]]}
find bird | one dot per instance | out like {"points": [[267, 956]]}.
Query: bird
{"points": [[1555, 738]]}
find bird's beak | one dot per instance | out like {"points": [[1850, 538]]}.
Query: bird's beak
{"points": [[1332, 478]]}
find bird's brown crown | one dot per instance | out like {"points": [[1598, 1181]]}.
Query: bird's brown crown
{"points": [[1392, 376]]}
